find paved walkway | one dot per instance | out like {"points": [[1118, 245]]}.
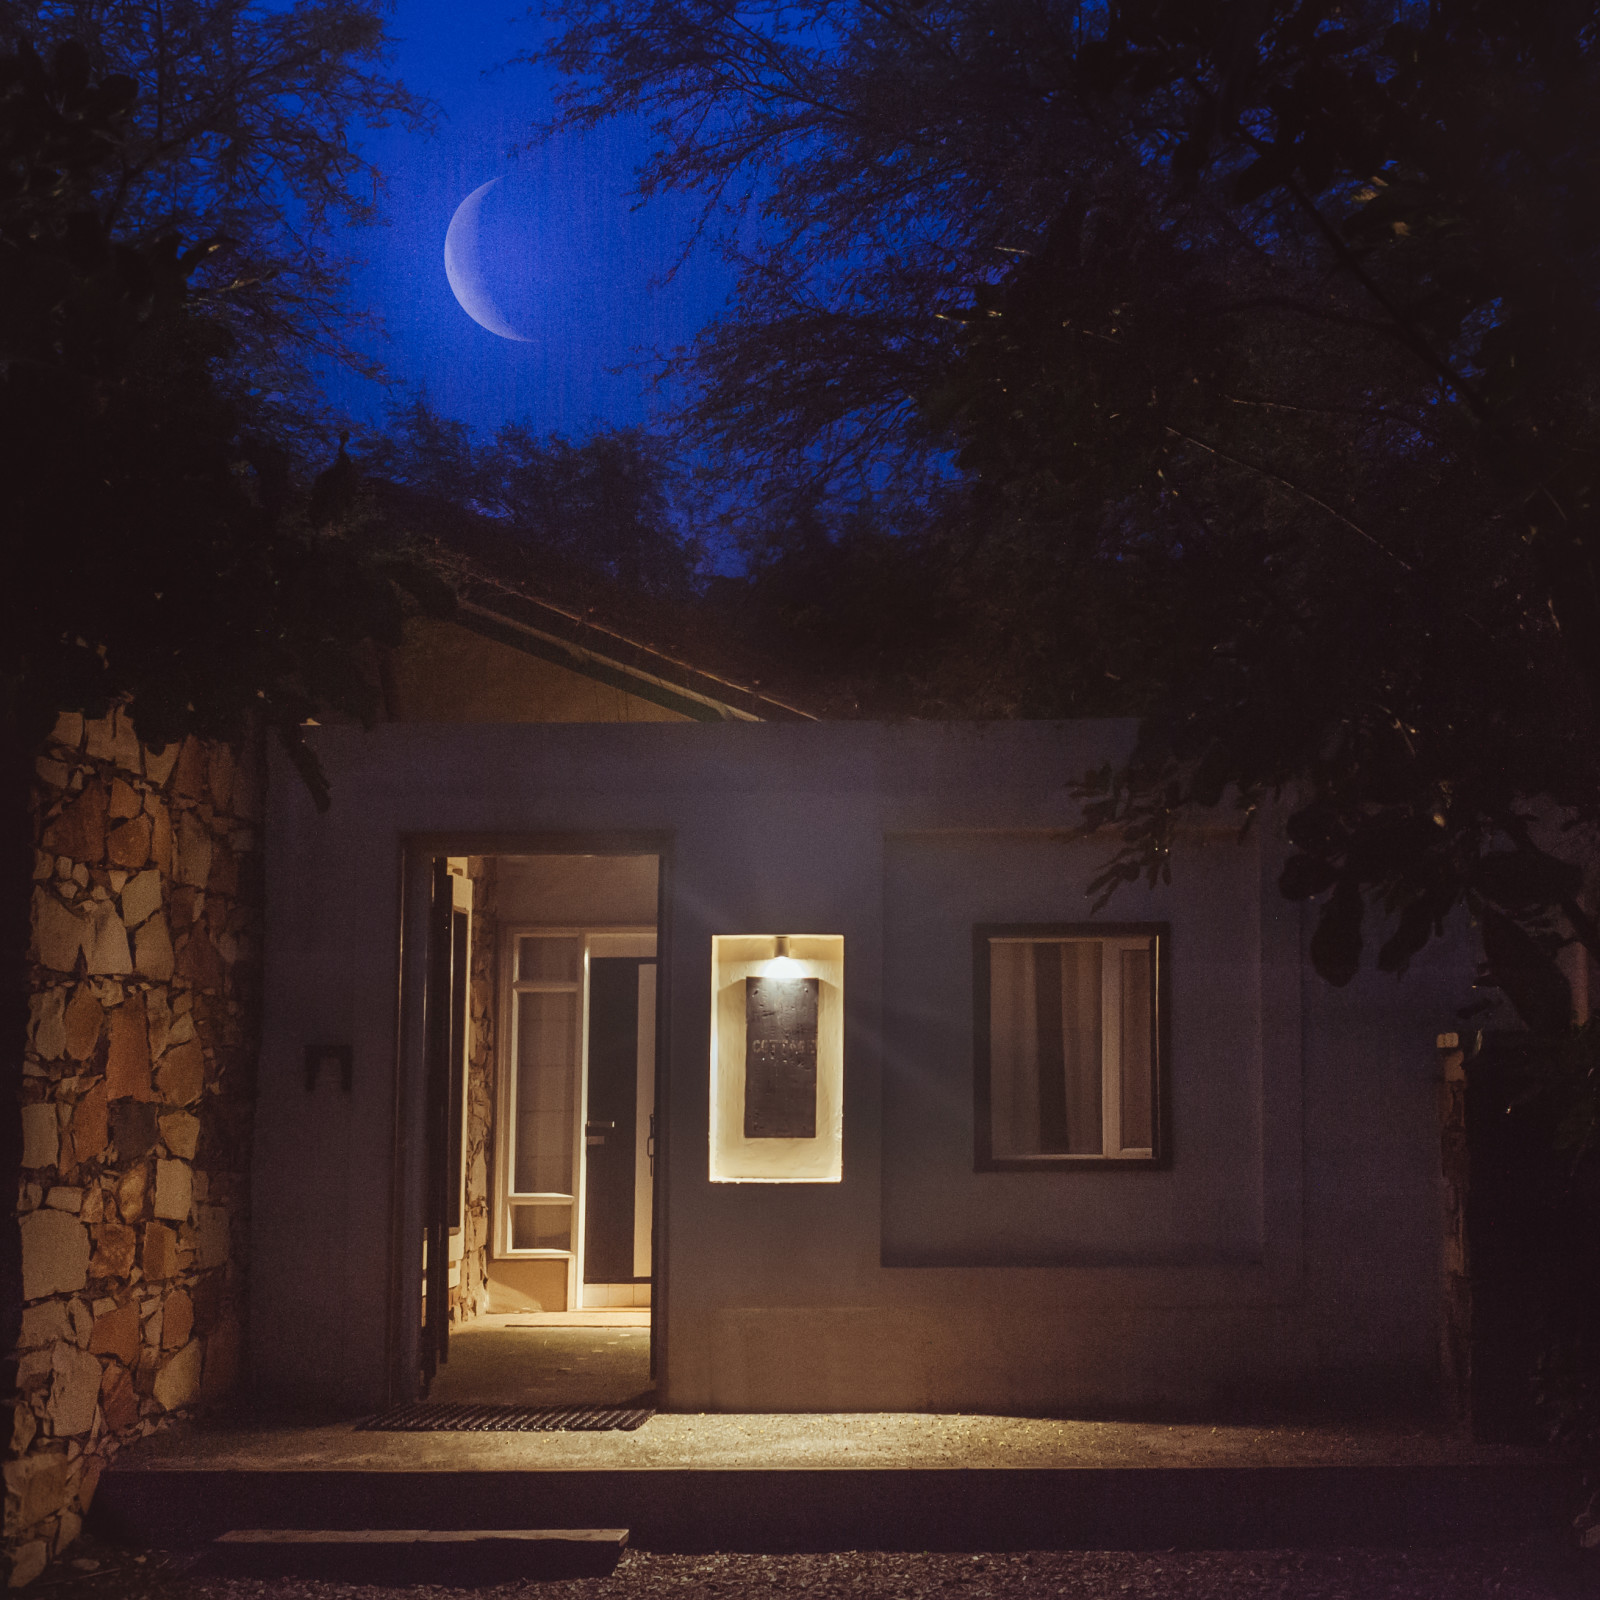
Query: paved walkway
{"points": [[506, 1360]]}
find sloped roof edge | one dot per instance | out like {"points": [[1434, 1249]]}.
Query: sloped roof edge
{"points": [[575, 641]]}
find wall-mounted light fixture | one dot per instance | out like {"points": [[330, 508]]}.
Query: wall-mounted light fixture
{"points": [[783, 965]]}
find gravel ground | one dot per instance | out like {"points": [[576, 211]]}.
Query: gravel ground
{"points": [[1347, 1574]]}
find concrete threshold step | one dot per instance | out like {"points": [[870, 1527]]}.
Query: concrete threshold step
{"points": [[459, 1557], [914, 1508]]}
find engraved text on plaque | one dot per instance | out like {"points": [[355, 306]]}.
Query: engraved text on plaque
{"points": [[780, 1060]]}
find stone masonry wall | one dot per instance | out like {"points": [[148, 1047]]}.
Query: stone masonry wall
{"points": [[136, 1097], [472, 1299]]}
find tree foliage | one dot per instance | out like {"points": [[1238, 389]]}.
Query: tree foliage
{"points": [[613, 504], [245, 131], [1264, 338], [159, 553]]}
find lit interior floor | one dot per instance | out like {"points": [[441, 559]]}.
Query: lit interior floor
{"points": [[524, 1361]]}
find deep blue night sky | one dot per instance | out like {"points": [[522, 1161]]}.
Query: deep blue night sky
{"points": [[569, 260]]}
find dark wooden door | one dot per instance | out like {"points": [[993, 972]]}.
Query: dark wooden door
{"points": [[611, 1132]]}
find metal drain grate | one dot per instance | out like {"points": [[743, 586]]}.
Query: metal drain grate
{"points": [[457, 1417]]}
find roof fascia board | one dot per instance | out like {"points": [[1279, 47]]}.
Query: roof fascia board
{"points": [[574, 657]]}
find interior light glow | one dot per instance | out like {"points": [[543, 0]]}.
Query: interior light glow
{"points": [[782, 964]]}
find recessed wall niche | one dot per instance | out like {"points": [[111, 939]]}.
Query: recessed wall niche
{"points": [[777, 1058]]}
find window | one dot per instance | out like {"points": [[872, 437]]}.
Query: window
{"points": [[1070, 1024]]}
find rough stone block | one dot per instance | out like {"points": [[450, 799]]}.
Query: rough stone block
{"points": [[141, 899], [67, 1533], [211, 1236], [158, 764], [182, 1020], [189, 776], [80, 830], [177, 1320], [89, 1480], [119, 1401], [31, 1368], [158, 1015], [40, 1139], [130, 1189], [174, 1190], [160, 834], [133, 1131], [128, 1053], [74, 1391], [117, 1334], [65, 1197], [152, 947], [83, 1017], [44, 1324], [68, 730], [59, 932], [89, 1130], [180, 1132], [181, 1075], [198, 960], [39, 1484], [27, 1562], [108, 950], [178, 1381], [24, 1428], [112, 738], [160, 1255], [126, 801], [55, 1254], [114, 1248], [47, 1027], [129, 845]]}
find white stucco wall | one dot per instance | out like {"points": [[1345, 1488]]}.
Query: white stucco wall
{"points": [[1291, 1245]]}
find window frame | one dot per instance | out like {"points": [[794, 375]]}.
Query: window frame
{"points": [[984, 1158]]}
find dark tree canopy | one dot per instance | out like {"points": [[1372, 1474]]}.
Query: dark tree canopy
{"points": [[246, 131], [1264, 337], [158, 552], [613, 504]]}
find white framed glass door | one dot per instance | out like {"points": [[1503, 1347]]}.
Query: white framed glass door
{"points": [[541, 1189]]}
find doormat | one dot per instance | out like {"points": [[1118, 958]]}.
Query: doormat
{"points": [[457, 1417]]}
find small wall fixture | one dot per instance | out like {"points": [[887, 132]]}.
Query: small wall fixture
{"points": [[783, 965], [336, 1060]]}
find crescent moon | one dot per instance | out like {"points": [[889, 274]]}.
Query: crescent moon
{"points": [[463, 267]]}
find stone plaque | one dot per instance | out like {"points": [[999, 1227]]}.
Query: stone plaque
{"points": [[780, 1058]]}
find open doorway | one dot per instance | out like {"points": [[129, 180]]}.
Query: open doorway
{"points": [[544, 1185]]}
